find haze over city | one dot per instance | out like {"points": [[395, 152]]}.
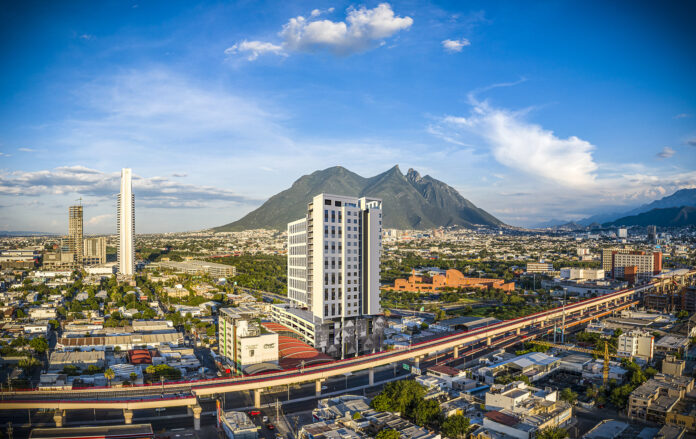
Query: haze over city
{"points": [[531, 111]]}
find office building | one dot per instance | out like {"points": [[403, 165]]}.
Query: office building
{"points": [[622, 233], [94, 251], [636, 344], [539, 267], [334, 255], [636, 266], [75, 232], [607, 256], [334, 273], [126, 225], [198, 267], [652, 234]]}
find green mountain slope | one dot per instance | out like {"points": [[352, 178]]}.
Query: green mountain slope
{"points": [[409, 201]]}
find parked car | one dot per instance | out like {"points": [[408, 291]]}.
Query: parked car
{"points": [[265, 419], [270, 426], [254, 413]]}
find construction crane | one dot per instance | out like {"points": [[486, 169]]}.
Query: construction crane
{"points": [[605, 354]]}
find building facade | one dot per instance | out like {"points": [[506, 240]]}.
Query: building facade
{"points": [[636, 266], [75, 232], [126, 225], [539, 267], [334, 257], [638, 344], [244, 343], [94, 251]]}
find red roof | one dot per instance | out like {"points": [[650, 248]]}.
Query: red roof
{"points": [[140, 356], [293, 351], [502, 418], [445, 370]]}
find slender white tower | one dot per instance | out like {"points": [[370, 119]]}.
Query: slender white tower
{"points": [[126, 225]]}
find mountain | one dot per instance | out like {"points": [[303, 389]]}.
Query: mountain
{"points": [[409, 201], [667, 217], [682, 197]]}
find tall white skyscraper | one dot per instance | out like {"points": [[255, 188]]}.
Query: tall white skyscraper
{"points": [[334, 256], [126, 225]]}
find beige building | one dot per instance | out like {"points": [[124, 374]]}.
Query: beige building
{"points": [[246, 344], [636, 344], [94, 251], [672, 366], [75, 232], [607, 256], [653, 399]]}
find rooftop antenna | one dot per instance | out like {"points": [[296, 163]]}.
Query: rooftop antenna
{"points": [[80, 200]]}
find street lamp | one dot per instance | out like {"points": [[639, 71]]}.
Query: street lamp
{"points": [[162, 381]]}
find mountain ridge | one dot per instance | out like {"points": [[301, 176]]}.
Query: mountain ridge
{"points": [[680, 198], [409, 201], [662, 217]]}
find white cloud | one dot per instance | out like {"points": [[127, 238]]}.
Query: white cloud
{"points": [[151, 191], [26, 150], [666, 153], [99, 219], [362, 30], [455, 45], [682, 116], [86, 37], [524, 146], [254, 49]]}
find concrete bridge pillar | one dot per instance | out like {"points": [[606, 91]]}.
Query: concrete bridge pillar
{"points": [[257, 398], [197, 410], [456, 352], [541, 324], [317, 387], [371, 375], [488, 341], [128, 416], [416, 362], [59, 417], [518, 331]]}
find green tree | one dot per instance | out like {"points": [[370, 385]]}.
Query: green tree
{"points": [[552, 433], [399, 396], [39, 344], [109, 374], [20, 314], [455, 426], [357, 415], [568, 395], [29, 363], [388, 434], [425, 412]]}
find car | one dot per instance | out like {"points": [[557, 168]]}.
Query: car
{"points": [[265, 419], [270, 426], [254, 413]]}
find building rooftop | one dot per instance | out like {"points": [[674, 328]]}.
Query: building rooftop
{"points": [[607, 429]]}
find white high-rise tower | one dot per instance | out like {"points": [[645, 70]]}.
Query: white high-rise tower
{"points": [[126, 225], [334, 255]]}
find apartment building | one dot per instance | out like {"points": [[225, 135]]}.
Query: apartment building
{"points": [[653, 399], [607, 256], [636, 344], [75, 232], [126, 225], [94, 251], [334, 257], [582, 273], [636, 266]]}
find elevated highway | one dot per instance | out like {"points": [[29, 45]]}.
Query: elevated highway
{"points": [[185, 393]]}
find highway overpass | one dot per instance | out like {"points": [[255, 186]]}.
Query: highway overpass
{"points": [[186, 393]]}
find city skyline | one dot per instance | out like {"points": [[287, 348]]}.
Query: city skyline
{"points": [[218, 107]]}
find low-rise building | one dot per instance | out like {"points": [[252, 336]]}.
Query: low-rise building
{"points": [[652, 400], [672, 366], [245, 344], [516, 394], [638, 344], [672, 344], [534, 365], [237, 425]]}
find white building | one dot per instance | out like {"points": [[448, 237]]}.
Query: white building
{"points": [[244, 343], [622, 233], [582, 273], [638, 344], [333, 271], [334, 255], [126, 225]]}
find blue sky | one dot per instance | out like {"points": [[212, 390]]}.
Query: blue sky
{"points": [[532, 110]]}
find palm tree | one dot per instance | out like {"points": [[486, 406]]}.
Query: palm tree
{"points": [[109, 374]]}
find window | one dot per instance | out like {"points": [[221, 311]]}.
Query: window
{"points": [[338, 203], [327, 202]]}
